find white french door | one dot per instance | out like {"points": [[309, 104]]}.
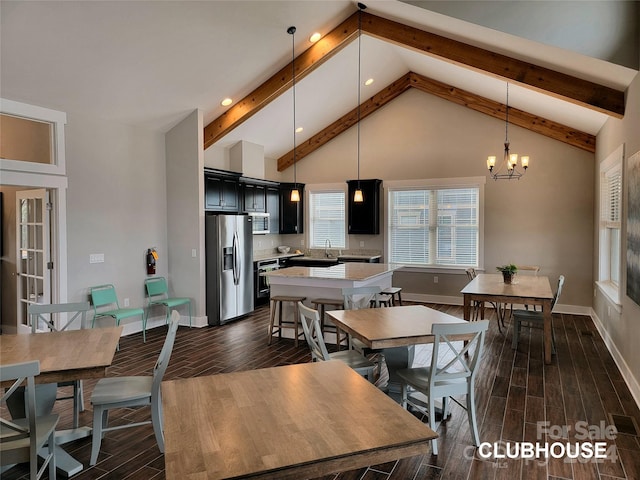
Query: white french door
{"points": [[33, 256]]}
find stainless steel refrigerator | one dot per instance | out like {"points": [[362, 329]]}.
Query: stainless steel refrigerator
{"points": [[229, 254]]}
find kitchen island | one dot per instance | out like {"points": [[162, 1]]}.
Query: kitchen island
{"points": [[327, 282]]}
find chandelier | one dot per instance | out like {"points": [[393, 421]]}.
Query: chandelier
{"points": [[509, 167]]}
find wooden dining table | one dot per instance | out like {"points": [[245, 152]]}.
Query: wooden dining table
{"points": [[63, 356], [291, 422], [525, 290], [393, 330]]}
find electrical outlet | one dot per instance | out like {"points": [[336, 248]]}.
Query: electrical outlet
{"points": [[362, 243], [194, 253], [259, 243], [126, 302], [435, 279]]}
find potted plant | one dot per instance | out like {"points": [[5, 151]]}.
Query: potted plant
{"points": [[508, 272]]}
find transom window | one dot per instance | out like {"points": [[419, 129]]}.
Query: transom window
{"points": [[327, 218], [434, 225]]}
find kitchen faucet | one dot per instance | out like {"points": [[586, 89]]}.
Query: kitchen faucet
{"points": [[326, 249]]}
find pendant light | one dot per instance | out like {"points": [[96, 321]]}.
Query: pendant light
{"points": [[295, 193], [509, 160], [357, 196]]}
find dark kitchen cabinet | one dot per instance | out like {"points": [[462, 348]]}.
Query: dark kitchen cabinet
{"points": [[364, 217], [273, 208], [291, 213], [221, 191], [254, 198]]}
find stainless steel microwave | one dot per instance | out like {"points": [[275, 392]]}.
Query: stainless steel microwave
{"points": [[260, 221]]}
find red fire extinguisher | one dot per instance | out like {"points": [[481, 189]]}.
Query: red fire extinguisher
{"points": [[152, 256]]}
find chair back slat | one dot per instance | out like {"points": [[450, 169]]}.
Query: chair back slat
{"points": [[18, 373], [165, 354], [103, 295], [356, 298], [46, 314], [558, 292], [452, 357], [310, 320], [156, 286]]}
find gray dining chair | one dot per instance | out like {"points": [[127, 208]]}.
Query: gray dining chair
{"points": [[532, 317], [310, 320], [23, 438], [454, 364], [126, 392], [52, 318]]}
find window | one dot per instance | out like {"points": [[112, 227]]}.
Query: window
{"points": [[610, 213], [327, 218], [435, 225]]}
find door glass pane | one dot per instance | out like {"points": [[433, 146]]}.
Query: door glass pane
{"points": [[26, 140]]}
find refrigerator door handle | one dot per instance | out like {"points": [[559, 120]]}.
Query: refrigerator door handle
{"points": [[236, 260]]}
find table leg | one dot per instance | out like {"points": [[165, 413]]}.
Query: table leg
{"points": [[546, 311], [467, 307], [397, 358]]}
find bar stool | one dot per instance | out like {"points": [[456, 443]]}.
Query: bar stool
{"points": [[277, 303], [393, 291], [319, 304]]}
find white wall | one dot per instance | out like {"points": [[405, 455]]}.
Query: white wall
{"points": [[545, 218], [619, 326], [185, 213], [116, 205]]}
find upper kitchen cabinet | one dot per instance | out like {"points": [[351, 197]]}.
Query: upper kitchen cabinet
{"points": [[221, 191], [291, 213], [254, 197], [364, 217], [273, 207]]}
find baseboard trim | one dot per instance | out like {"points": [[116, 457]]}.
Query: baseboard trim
{"points": [[627, 374]]}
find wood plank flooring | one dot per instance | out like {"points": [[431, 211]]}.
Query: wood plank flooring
{"points": [[515, 391]]}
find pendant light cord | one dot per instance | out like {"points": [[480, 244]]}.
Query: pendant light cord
{"points": [[361, 7], [292, 31], [506, 126]]}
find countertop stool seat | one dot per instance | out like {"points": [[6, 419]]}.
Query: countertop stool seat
{"points": [[277, 302], [320, 304], [393, 291]]}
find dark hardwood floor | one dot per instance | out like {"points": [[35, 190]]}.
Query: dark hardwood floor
{"points": [[515, 391]]}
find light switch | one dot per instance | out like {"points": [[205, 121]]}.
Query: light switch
{"points": [[194, 253], [96, 258]]}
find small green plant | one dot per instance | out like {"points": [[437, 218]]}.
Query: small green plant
{"points": [[509, 268]]}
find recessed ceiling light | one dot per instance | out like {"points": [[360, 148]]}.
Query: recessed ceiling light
{"points": [[368, 82], [299, 129], [315, 37], [226, 102]]}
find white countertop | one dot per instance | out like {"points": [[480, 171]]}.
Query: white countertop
{"points": [[342, 271]]}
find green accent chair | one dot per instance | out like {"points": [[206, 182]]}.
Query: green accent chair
{"points": [[158, 294], [105, 304]]}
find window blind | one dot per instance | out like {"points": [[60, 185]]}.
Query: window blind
{"points": [[437, 226], [327, 219]]}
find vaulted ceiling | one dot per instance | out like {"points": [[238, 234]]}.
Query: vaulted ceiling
{"points": [[149, 64], [584, 93]]}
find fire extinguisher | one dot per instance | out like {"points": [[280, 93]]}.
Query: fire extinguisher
{"points": [[152, 256]]}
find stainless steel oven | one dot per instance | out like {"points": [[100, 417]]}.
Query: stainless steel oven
{"points": [[261, 282]]}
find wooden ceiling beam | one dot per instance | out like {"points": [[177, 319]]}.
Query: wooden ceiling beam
{"points": [[539, 125], [279, 83], [345, 122], [575, 90]]}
